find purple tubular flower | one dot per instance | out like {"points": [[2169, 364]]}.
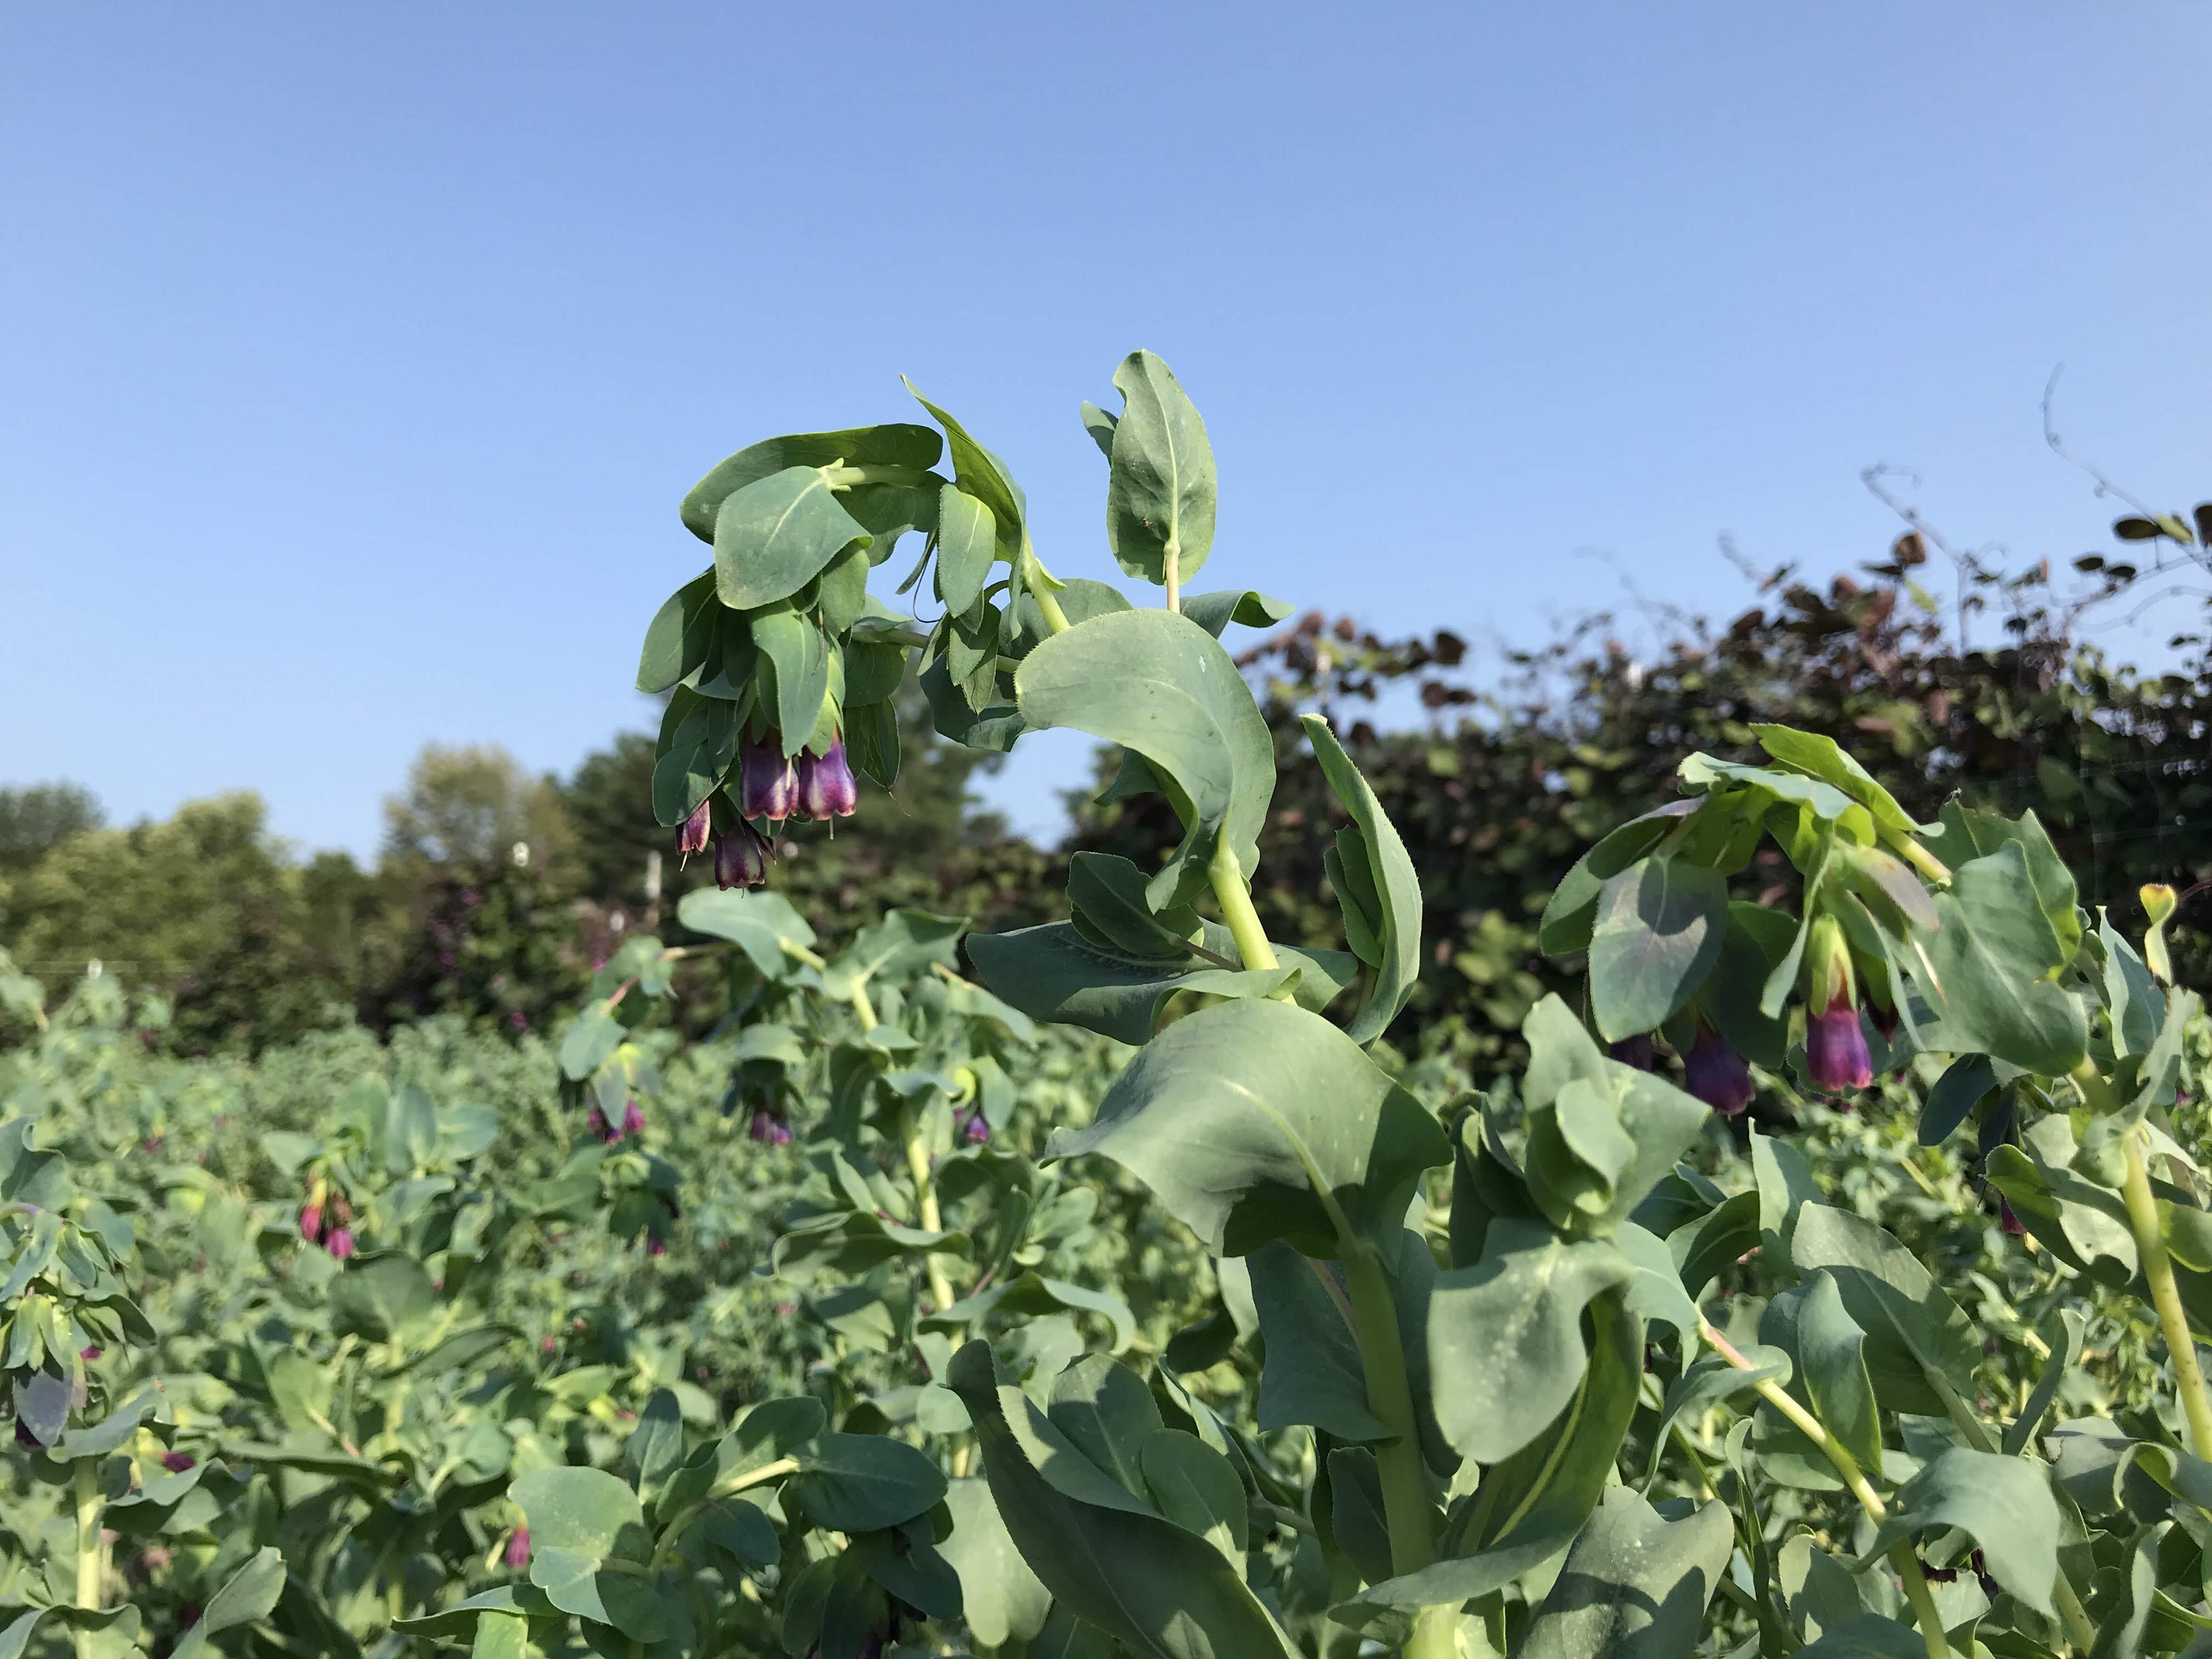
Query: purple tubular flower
{"points": [[176, 1461], [518, 1548], [692, 837], [1717, 1075], [977, 1130], [2009, 1222], [826, 788], [340, 1243], [89, 1354], [767, 786], [1635, 1051], [656, 1247], [595, 1121], [741, 857], [633, 1119], [779, 1133], [762, 1125], [1836, 1050]]}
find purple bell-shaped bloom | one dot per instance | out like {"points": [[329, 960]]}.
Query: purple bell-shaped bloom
{"points": [[1635, 1051], [340, 1243], [1836, 1049], [779, 1133], [826, 788], [176, 1461], [633, 1119], [762, 1125], [741, 857], [692, 837], [595, 1121], [1717, 1074], [518, 1548], [977, 1131], [768, 785]]}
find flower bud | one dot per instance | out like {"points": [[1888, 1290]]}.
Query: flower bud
{"points": [[767, 786], [826, 788], [340, 1243], [763, 1126], [1836, 1055], [656, 1247], [692, 838], [2009, 1222], [977, 1130], [176, 1461], [311, 1222], [1635, 1051], [741, 857], [1828, 975], [1717, 1074], [518, 1548], [633, 1119], [89, 1354]]}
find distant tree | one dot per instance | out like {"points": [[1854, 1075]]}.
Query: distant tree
{"points": [[35, 819], [467, 809], [206, 908]]}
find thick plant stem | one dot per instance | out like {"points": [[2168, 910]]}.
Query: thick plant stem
{"points": [[2157, 1266], [1923, 1599], [1901, 1556], [85, 1474], [2166, 1295], [1173, 573], [931, 1219], [1391, 1397], [1235, 901], [767, 1472], [1040, 582]]}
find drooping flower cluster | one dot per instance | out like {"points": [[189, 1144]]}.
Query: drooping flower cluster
{"points": [[770, 1128], [326, 1218], [1836, 1055], [633, 1123], [771, 787]]}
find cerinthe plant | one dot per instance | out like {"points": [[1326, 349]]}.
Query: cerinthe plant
{"points": [[1475, 1379], [1231, 1344]]}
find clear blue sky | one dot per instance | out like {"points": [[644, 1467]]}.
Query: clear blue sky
{"points": [[354, 358]]}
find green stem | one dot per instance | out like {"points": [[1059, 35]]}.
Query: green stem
{"points": [[926, 1208], [2157, 1266], [2165, 1294], [1901, 1556], [1235, 901], [1173, 572], [1390, 1396], [857, 996], [1041, 584], [841, 477], [1923, 1599], [729, 1488], [85, 1474]]}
